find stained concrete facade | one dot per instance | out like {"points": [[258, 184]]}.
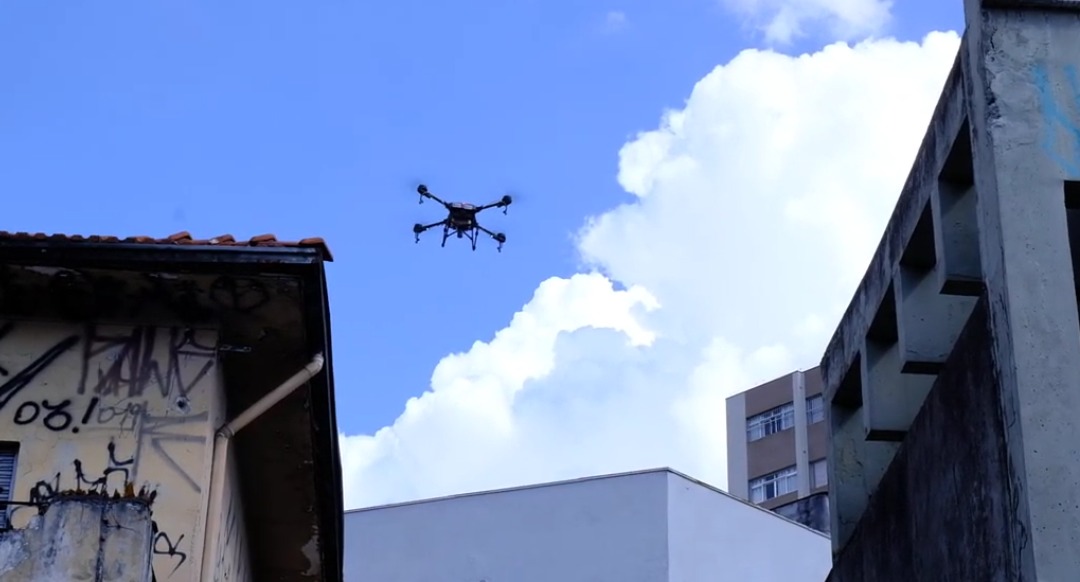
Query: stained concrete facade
{"points": [[87, 538], [777, 429], [951, 380], [647, 526], [124, 367]]}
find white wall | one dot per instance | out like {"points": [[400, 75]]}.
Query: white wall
{"points": [[584, 531], [653, 526], [715, 537]]}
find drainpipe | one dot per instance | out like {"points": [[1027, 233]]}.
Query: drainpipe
{"points": [[218, 467]]}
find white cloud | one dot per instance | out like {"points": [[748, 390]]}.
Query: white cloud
{"points": [[757, 207], [615, 21], [784, 20]]}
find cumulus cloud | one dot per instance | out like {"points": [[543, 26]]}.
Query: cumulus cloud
{"points": [[756, 207], [782, 21]]}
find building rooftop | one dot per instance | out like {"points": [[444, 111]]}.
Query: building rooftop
{"points": [[182, 238], [654, 524], [531, 486]]}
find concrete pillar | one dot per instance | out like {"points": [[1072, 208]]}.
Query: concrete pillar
{"points": [[737, 479], [802, 452], [68, 542], [1022, 87], [126, 543]]}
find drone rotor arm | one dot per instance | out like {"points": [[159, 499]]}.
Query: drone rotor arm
{"points": [[425, 193], [419, 229], [503, 203], [498, 236]]}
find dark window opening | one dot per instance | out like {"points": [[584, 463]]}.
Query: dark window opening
{"points": [[9, 452], [1072, 217]]}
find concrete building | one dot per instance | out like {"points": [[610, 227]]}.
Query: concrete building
{"points": [[776, 448], [648, 526], [168, 410], [951, 381]]}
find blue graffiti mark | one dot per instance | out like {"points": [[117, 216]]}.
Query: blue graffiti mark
{"points": [[1055, 118]]}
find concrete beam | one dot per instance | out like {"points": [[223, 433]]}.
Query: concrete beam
{"points": [[900, 327], [956, 238], [855, 467], [891, 398], [928, 323], [1022, 4], [847, 341]]}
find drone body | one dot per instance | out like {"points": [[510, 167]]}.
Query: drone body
{"points": [[461, 219]]}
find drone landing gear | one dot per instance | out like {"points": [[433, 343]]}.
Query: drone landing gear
{"points": [[473, 235]]}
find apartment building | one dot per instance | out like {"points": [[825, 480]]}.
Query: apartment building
{"points": [[777, 447]]}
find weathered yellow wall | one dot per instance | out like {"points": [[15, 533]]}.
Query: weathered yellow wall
{"points": [[98, 408]]}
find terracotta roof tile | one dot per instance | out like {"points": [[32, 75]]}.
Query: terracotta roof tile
{"points": [[180, 238]]}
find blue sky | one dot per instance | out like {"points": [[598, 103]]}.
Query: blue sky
{"points": [[317, 119]]}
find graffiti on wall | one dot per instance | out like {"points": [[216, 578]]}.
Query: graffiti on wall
{"points": [[120, 376], [114, 477], [1061, 117], [17, 381], [109, 411], [168, 549]]}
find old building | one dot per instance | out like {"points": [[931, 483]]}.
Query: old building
{"points": [[190, 378], [645, 526], [951, 381], [776, 448]]}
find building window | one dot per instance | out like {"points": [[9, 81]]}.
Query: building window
{"points": [[819, 474], [8, 454], [772, 485], [772, 421], [815, 409]]}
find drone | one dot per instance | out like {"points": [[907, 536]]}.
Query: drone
{"points": [[461, 219]]}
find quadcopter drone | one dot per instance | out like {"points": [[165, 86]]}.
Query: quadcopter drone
{"points": [[461, 219]]}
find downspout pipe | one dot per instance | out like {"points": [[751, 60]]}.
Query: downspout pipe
{"points": [[219, 464]]}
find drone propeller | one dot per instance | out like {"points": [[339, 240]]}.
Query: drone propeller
{"points": [[503, 203], [514, 197]]}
